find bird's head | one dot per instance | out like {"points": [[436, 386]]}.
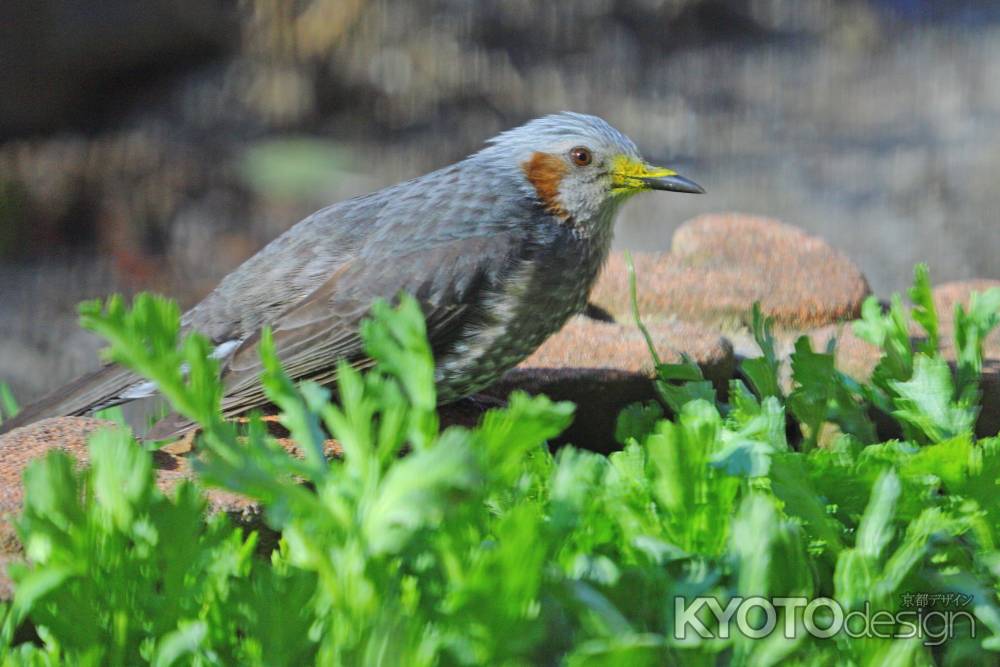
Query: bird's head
{"points": [[576, 164]]}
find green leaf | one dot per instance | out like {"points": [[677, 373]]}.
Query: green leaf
{"points": [[122, 475], [679, 384], [747, 450], [145, 339], [890, 332], [791, 483], [875, 529], [634, 301], [624, 649], [925, 403], [763, 372], [113, 414], [397, 340], [771, 562], [8, 404], [695, 496], [636, 421], [924, 311], [971, 329], [857, 569], [824, 394], [417, 490], [507, 437], [186, 641]]}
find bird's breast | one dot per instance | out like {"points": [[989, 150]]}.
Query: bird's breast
{"points": [[547, 286]]}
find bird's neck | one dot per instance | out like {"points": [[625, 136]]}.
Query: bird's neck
{"points": [[600, 230]]}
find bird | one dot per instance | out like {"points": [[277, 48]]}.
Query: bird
{"points": [[499, 250]]}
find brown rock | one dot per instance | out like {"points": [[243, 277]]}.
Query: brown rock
{"points": [[719, 265], [603, 367], [585, 343]]}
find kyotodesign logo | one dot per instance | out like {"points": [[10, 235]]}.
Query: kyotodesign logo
{"points": [[758, 617]]}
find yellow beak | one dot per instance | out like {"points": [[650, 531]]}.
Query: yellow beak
{"points": [[629, 176]]}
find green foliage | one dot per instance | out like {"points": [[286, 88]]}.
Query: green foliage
{"points": [[824, 395], [8, 404], [971, 329], [676, 384], [119, 571], [763, 372], [924, 311], [924, 403], [636, 421], [912, 372], [145, 339], [469, 546]]}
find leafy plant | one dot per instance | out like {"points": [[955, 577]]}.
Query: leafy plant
{"points": [[763, 372], [8, 404], [428, 546]]}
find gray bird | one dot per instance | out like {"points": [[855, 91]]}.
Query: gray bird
{"points": [[499, 249]]}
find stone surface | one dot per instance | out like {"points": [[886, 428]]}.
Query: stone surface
{"points": [[719, 265], [602, 367], [585, 343]]}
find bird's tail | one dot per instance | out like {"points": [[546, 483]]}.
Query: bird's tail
{"points": [[94, 391]]}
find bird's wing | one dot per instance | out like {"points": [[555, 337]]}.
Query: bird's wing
{"points": [[93, 391], [447, 279], [312, 335]]}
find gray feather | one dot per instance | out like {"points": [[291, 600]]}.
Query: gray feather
{"points": [[494, 273]]}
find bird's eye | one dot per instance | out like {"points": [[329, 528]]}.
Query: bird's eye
{"points": [[581, 156]]}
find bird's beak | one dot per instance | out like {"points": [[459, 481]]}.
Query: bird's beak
{"points": [[630, 176], [673, 183]]}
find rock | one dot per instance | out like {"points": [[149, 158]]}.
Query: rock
{"points": [[588, 344], [602, 367], [719, 265]]}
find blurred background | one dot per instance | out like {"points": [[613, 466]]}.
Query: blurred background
{"points": [[155, 144]]}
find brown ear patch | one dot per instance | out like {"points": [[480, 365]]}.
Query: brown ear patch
{"points": [[545, 171]]}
